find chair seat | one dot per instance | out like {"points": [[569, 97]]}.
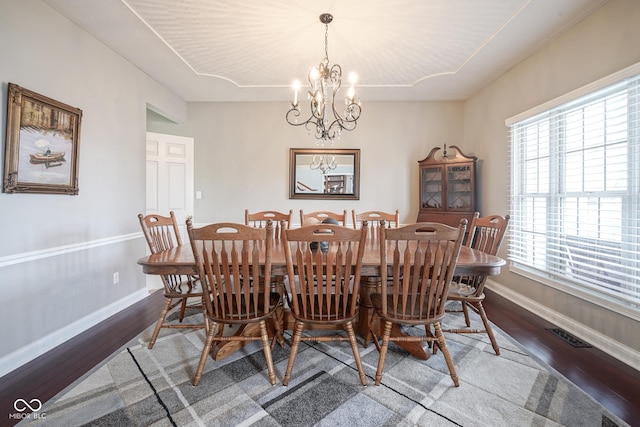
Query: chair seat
{"points": [[416, 315], [275, 279], [248, 313], [470, 297], [317, 314], [461, 289], [184, 289]]}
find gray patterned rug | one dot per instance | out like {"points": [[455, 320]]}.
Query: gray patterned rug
{"points": [[141, 387]]}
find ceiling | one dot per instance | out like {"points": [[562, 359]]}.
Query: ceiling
{"points": [[227, 50]]}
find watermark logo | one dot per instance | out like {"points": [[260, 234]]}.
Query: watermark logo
{"points": [[22, 405], [27, 410]]}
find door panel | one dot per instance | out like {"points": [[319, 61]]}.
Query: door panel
{"points": [[170, 181]]}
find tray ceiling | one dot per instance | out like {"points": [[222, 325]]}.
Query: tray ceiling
{"points": [[205, 50]]}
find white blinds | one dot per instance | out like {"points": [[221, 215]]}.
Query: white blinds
{"points": [[575, 192]]}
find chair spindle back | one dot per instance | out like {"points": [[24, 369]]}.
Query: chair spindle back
{"points": [[325, 281], [228, 259], [424, 257]]}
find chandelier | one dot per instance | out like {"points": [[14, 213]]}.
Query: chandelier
{"points": [[325, 81], [323, 163]]}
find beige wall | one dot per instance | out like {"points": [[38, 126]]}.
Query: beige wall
{"points": [[242, 155], [58, 253], [603, 43]]}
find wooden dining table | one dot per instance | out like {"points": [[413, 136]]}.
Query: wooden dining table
{"points": [[180, 260]]}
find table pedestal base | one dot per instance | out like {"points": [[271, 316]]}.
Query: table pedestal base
{"points": [[368, 285], [223, 349]]}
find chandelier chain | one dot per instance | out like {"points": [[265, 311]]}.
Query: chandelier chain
{"points": [[326, 43]]}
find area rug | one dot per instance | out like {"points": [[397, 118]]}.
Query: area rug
{"points": [[142, 387]]}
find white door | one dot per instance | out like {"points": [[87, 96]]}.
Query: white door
{"points": [[170, 184]]}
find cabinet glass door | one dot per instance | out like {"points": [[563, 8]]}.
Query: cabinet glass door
{"points": [[459, 188], [431, 185]]}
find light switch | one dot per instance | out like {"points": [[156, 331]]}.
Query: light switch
{"points": [[198, 194]]}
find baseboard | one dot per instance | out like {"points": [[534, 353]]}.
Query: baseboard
{"points": [[613, 348], [29, 352]]}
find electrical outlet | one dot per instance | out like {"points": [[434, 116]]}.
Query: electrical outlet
{"points": [[116, 277]]}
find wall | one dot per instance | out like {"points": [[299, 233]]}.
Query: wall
{"points": [[58, 252], [242, 155], [603, 43]]}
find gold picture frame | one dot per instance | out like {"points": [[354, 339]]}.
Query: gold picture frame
{"points": [[324, 174], [41, 145]]}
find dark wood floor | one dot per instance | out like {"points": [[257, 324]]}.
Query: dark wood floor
{"points": [[614, 384]]}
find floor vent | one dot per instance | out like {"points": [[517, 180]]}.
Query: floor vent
{"points": [[567, 337]]}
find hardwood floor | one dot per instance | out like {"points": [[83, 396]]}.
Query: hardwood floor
{"points": [[609, 381], [612, 383], [50, 373]]}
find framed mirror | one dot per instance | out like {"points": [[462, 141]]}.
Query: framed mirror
{"points": [[324, 174]]}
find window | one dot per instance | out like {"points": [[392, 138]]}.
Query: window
{"points": [[575, 192]]}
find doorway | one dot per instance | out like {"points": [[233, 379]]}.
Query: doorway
{"points": [[169, 181]]}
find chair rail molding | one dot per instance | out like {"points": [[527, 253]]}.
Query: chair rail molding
{"points": [[61, 250]]}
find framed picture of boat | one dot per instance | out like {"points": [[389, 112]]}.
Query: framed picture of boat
{"points": [[42, 144]]}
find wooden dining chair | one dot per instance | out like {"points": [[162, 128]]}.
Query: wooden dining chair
{"points": [[228, 257], [373, 218], [259, 220], [423, 259], [323, 284], [371, 284], [280, 221], [162, 233], [322, 215], [485, 234]]}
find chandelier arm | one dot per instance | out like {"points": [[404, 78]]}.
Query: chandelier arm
{"points": [[294, 113], [309, 124], [319, 130]]}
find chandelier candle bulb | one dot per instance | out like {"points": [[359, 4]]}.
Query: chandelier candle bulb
{"points": [[296, 88], [351, 95]]}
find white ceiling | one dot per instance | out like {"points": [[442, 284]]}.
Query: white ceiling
{"points": [[227, 50]]}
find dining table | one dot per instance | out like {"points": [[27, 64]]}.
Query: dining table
{"points": [[181, 261]]}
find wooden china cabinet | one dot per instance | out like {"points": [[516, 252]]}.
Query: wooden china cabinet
{"points": [[447, 186]]}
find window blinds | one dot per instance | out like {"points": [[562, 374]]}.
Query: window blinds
{"points": [[575, 192]]}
